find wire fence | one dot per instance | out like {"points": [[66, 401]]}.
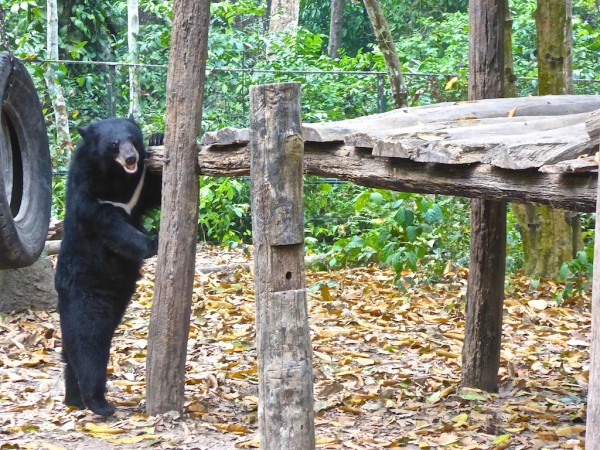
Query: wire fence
{"points": [[98, 89]]}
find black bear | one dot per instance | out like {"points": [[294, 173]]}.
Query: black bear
{"points": [[103, 246]]}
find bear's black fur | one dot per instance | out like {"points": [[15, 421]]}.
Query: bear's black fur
{"points": [[103, 246]]}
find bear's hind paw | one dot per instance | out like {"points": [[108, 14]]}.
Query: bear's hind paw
{"points": [[101, 407], [75, 402]]}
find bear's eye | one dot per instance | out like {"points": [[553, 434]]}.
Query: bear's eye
{"points": [[114, 145]]}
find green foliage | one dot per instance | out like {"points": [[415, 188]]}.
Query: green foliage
{"points": [[357, 32], [346, 224], [224, 210], [576, 275], [59, 186], [404, 231]]}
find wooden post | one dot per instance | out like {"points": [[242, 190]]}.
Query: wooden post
{"points": [[170, 317], [285, 407], [592, 432], [485, 289]]}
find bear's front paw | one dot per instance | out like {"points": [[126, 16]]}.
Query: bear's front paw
{"points": [[156, 139], [153, 248]]}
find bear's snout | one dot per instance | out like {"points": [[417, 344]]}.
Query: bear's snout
{"points": [[128, 157]]}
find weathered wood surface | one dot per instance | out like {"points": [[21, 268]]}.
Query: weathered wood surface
{"points": [[576, 192], [592, 433], [593, 127], [171, 308], [513, 133], [487, 259], [583, 164], [285, 406], [485, 295]]}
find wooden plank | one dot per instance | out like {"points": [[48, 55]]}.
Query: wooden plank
{"points": [[171, 308], [593, 127], [575, 192], [551, 105], [398, 119], [285, 407], [584, 164], [510, 143]]}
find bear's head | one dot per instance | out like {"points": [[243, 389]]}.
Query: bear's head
{"points": [[115, 145]]}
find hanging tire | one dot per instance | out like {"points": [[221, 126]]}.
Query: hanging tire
{"points": [[25, 168]]}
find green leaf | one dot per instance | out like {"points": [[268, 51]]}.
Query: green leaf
{"points": [[411, 233], [502, 438], [361, 201], [564, 271], [434, 214], [471, 395]]}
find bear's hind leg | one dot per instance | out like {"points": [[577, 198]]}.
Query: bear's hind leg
{"points": [[93, 361], [87, 334], [72, 393]]}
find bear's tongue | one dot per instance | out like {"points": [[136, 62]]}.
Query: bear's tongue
{"points": [[130, 168]]}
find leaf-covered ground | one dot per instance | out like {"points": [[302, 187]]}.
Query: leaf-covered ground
{"points": [[386, 370]]}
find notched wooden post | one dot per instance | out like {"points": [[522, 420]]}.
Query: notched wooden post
{"points": [[285, 409]]}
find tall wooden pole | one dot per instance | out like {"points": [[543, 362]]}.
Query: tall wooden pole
{"points": [[592, 432], [170, 317], [485, 289], [285, 407]]}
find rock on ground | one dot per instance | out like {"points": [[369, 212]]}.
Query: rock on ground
{"points": [[30, 287]]}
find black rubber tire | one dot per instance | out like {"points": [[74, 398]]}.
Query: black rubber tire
{"points": [[25, 168]]}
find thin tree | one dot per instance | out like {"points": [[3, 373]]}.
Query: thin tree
{"points": [[550, 236], [283, 16], [336, 28], [384, 38], [170, 316], [133, 29], [61, 117]]}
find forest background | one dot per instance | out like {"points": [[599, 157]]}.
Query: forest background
{"points": [[345, 224]]}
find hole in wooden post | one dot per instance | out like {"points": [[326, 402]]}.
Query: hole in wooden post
{"points": [[287, 266]]}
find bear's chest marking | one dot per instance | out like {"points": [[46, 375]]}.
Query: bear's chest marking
{"points": [[128, 207]]}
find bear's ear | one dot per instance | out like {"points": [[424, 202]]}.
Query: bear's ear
{"points": [[83, 132], [131, 118]]}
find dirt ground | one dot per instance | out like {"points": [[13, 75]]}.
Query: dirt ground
{"points": [[386, 369]]}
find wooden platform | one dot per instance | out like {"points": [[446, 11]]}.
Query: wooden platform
{"points": [[531, 149]]}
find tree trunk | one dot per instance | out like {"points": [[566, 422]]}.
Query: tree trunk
{"points": [[553, 20], [283, 16], [522, 211], [336, 26], [170, 316], [285, 406], [485, 288], [133, 29], [510, 80], [385, 40], [63, 136], [551, 237]]}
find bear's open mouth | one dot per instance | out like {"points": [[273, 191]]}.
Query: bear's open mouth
{"points": [[130, 168], [130, 165]]}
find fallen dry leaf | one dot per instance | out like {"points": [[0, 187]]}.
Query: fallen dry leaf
{"points": [[386, 369]]}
